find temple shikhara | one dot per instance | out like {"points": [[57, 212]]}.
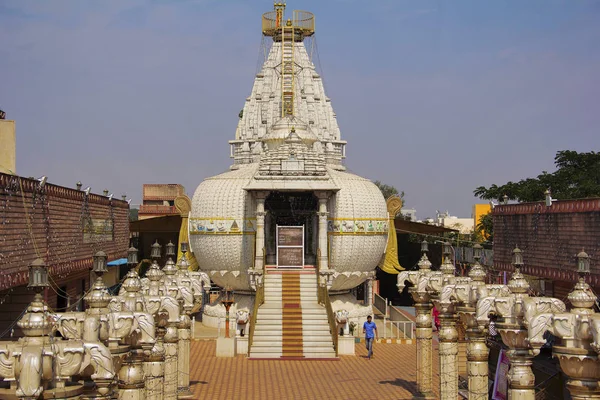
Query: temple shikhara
{"points": [[288, 214]]}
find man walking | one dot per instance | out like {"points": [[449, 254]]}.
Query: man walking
{"points": [[370, 331]]}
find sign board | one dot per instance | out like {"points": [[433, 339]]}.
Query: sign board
{"points": [[500, 391], [290, 246], [97, 230]]}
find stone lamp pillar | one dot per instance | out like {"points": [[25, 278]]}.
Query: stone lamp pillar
{"points": [[448, 334], [423, 308], [579, 333]]}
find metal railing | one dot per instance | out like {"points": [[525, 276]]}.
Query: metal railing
{"points": [[323, 298], [403, 324], [381, 304], [259, 299]]}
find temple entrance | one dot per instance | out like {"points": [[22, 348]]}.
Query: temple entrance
{"points": [[291, 209]]}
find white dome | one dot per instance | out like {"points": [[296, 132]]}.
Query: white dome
{"points": [[221, 212], [358, 225]]}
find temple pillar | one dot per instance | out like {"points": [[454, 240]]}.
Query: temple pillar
{"points": [[477, 360], [154, 368], [170, 386], [131, 377], [183, 359], [448, 349], [370, 290], [424, 348], [259, 254], [323, 247]]}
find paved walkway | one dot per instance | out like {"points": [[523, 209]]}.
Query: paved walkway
{"points": [[389, 375]]}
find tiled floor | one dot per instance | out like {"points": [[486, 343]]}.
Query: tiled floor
{"points": [[389, 375]]}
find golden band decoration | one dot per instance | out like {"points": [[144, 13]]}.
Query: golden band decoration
{"points": [[222, 226], [357, 226]]}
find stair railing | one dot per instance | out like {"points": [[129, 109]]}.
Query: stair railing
{"points": [[323, 298], [259, 299]]}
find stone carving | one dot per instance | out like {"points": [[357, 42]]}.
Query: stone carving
{"points": [[342, 321]]}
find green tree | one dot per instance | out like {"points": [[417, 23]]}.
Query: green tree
{"points": [[389, 191], [577, 176]]}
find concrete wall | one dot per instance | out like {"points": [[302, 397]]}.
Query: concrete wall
{"points": [[8, 147]]}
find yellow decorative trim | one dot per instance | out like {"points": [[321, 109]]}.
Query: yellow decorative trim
{"points": [[357, 233], [390, 263], [225, 233], [356, 219], [221, 218]]}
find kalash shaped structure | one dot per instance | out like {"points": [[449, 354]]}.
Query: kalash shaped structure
{"points": [[287, 218]]}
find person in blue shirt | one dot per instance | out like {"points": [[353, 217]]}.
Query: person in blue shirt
{"points": [[370, 331]]}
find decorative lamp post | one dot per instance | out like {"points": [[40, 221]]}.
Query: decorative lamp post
{"points": [[99, 266], [227, 301], [422, 297], [184, 247], [38, 275], [155, 251], [170, 249], [424, 247], [505, 199], [132, 256]]}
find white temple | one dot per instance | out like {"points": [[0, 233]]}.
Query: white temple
{"points": [[287, 205]]}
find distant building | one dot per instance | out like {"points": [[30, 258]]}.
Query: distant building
{"points": [[8, 146], [550, 238], [63, 226], [159, 200], [463, 225], [409, 213], [479, 210]]}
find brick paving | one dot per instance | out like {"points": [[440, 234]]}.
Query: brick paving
{"points": [[389, 375]]}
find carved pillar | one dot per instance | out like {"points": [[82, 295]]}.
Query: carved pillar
{"points": [[259, 260], [424, 349], [370, 290], [131, 377], [323, 248], [154, 368], [170, 387], [477, 359], [183, 359], [448, 354]]}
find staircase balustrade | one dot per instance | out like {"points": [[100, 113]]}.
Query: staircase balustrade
{"points": [[323, 298], [259, 299]]}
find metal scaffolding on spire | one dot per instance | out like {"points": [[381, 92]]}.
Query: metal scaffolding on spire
{"points": [[288, 33]]}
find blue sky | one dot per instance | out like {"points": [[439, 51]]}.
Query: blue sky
{"points": [[433, 97]]}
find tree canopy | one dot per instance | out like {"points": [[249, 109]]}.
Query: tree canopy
{"points": [[577, 176], [388, 190]]}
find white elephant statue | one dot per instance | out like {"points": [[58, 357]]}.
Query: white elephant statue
{"points": [[241, 318], [342, 322]]}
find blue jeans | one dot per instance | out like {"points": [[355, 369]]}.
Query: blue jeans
{"points": [[369, 343]]}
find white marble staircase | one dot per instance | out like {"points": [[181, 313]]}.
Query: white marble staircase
{"points": [[291, 323]]}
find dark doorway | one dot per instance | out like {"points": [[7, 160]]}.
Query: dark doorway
{"points": [[291, 209]]}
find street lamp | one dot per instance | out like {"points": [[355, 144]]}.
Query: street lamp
{"points": [[170, 249], [184, 247], [424, 246], [583, 263], [517, 258], [99, 265], [155, 252], [132, 256], [38, 275]]}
